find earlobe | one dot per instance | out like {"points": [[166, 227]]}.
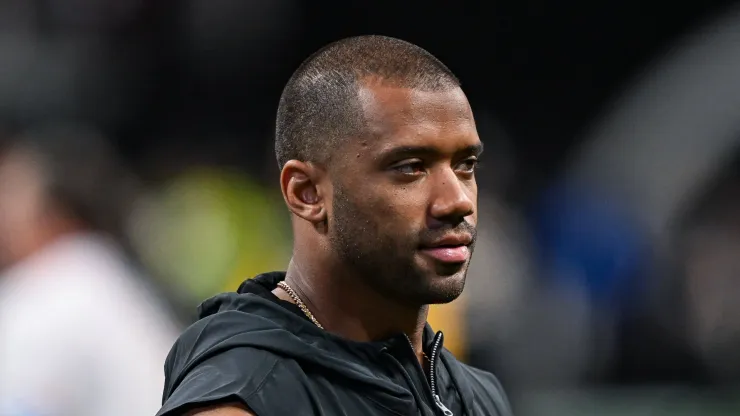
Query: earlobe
{"points": [[299, 183]]}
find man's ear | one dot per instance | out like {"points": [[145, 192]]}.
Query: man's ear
{"points": [[299, 182]]}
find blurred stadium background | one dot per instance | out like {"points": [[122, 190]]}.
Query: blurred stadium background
{"points": [[607, 276]]}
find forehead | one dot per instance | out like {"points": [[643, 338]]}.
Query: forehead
{"points": [[398, 116]]}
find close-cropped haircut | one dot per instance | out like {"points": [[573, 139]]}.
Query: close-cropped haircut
{"points": [[320, 103]]}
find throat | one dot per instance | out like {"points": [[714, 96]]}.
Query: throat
{"points": [[363, 317], [355, 317], [346, 306]]}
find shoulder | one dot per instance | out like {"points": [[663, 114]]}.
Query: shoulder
{"points": [[212, 346], [485, 382], [483, 379], [228, 357], [225, 333], [240, 375], [60, 337], [483, 386]]}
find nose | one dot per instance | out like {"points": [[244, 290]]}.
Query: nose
{"points": [[452, 199]]}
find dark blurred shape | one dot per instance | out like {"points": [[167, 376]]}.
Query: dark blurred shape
{"points": [[88, 16], [232, 43], [67, 77], [709, 260], [17, 16], [689, 332]]}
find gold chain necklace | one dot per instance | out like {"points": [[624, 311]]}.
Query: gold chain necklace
{"points": [[302, 306]]}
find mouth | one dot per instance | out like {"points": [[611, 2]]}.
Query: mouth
{"points": [[451, 250]]}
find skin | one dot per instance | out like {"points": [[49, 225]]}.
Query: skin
{"points": [[229, 410], [29, 220], [361, 222]]}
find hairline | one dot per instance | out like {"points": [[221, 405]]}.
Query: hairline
{"points": [[368, 82]]}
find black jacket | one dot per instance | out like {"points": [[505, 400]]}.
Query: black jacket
{"points": [[254, 348]]}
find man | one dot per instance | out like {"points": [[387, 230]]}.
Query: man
{"points": [[378, 149], [81, 334]]}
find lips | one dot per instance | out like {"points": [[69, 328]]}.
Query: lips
{"points": [[458, 254], [450, 249]]}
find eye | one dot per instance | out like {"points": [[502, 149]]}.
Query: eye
{"points": [[468, 165], [410, 168]]}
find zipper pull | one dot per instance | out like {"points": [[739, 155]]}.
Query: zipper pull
{"points": [[442, 407]]}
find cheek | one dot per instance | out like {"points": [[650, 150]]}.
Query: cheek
{"points": [[399, 210], [473, 219]]}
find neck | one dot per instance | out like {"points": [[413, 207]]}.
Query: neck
{"points": [[346, 306]]}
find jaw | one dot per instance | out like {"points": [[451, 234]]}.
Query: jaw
{"points": [[439, 282]]}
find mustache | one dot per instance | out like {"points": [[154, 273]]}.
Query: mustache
{"points": [[429, 236]]}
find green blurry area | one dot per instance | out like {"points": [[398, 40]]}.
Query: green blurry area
{"points": [[207, 230]]}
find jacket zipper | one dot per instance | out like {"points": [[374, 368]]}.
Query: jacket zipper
{"points": [[432, 376], [433, 373]]}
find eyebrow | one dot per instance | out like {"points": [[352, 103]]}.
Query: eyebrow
{"points": [[401, 152]]}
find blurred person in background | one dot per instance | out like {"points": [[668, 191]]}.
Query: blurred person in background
{"points": [[80, 331], [378, 147], [711, 287], [697, 312]]}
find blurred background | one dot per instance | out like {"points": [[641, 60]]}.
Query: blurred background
{"points": [[137, 178]]}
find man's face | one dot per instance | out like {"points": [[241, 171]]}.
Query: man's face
{"points": [[403, 214]]}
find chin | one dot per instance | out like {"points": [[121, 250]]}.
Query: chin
{"points": [[450, 270], [446, 287], [426, 283]]}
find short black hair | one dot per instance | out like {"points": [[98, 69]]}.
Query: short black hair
{"points": [[320, 104]]}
